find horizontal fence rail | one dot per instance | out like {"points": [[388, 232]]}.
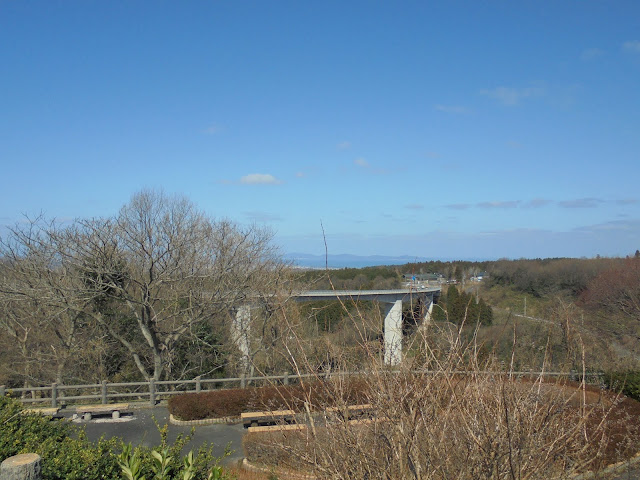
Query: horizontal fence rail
{"points": [[153, 391]]}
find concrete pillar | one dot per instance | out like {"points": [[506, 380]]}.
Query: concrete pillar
{"points": [[240, 333], [427, 315], [393, 334], [27, 466]]}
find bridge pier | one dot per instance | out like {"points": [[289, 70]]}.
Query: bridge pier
{"points": [[240, 329], [393, 299], [393, 334]]}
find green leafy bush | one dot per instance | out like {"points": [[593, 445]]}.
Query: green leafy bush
{"points": [[626, 382], [67, 454]]}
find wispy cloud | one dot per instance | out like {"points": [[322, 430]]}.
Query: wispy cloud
{"points": [[632, 46], [508, 204], [361, 162], [260, 179], [458, 206], [414, 206], [258, 216], [591, 54], [455, 109], [627, 201], [581, 203], [344, 145], [432, 155], [212, 129], [510, 96], [537, 203]]}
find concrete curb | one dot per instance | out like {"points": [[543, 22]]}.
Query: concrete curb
{"points": [[205, 421], [613, 469]]}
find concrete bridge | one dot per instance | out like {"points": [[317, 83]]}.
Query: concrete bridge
{"points": [[393, 300]]}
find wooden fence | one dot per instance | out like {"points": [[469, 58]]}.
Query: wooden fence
{"points": [[153, 391]]}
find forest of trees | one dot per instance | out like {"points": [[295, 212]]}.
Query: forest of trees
{"points": [[146, 294], [150, 293]]}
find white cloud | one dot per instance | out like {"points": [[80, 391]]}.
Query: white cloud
{"points": [[414, 206], [260, 179], [456, 109], [344, 145], [361, 162], [591, 54], [512, 96], [632, 46]]}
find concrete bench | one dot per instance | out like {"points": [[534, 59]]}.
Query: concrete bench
{"points": [[277, 428], [352, 411], [47, 411], [254, 419], [114, 409]]}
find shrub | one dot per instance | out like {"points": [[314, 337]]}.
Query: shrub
{"points": [[66, 452], [627, 383], [232, 402]]}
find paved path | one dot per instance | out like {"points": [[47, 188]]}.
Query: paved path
{"points": [[140, 429]]}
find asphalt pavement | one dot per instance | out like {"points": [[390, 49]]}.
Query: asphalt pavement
{"points": [[137, 426]]}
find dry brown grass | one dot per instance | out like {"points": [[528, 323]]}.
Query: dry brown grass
{"points": [[430, 422]]}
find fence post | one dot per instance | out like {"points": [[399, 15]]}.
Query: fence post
{"points": [[54, 395], [243, 380], [285, 380], [152, 392], [20, 467], [2, 390], [198, 386], [104, 392]]}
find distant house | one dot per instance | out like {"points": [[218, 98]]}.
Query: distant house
{"points": [[479, 277], [422, 277]]}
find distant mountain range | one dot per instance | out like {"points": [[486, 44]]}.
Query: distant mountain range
{"points": [[349, 261]]}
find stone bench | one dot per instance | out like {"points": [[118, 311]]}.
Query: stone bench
{"points": [[277, 428], [47, 411], [352, 412], [255, 419], [86, 411]]}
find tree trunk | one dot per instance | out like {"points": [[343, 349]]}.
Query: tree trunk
{"points": [[27, 466]]}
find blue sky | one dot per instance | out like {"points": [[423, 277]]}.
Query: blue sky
{"points": [[458, 129]]}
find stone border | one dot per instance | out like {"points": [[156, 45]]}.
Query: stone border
{"points": [[205, 421], [612, 469]]}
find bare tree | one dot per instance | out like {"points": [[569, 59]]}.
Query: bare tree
{"points": [[170, 269], [42, 303], [157, 275]]}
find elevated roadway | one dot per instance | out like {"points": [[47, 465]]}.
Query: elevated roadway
{"points": [[393, 299]]}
